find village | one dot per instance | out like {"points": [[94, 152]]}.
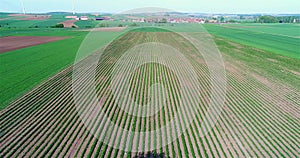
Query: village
{"points": [[147, 19], [178, 18]]}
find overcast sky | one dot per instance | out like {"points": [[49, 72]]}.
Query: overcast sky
{"points": [[114, 6]]}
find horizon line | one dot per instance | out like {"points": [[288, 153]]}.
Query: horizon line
{"points": [[92, 12]]}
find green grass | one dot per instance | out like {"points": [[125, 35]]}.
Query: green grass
{"points": [[277, 29], [250, 114], [4, 15], [86, 24], [282, 39], [13, 23], [268, 64], [23, 69]]}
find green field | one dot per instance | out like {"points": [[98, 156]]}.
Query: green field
{"points": [[260, 117], [14, 22], [29, 23], [282, 39], [23, 69]]}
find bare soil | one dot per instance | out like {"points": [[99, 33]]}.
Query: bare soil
{"points": [[69, 23], [17, 42], [16, 15], [37, 17], [107, 29], [30, 17]]}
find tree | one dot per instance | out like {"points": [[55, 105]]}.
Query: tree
{"points": [[288, 19], [58, 26], [164, 20], [268, 19], [134, 24], [222, 19]]}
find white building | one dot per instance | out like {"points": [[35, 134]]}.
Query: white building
{"points": [[84, 18], [71, 17]]}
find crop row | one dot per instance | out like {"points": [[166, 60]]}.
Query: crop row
{"points": [[45, 122]]}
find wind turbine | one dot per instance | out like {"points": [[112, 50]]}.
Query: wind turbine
{"points": [[73, 6], [23, 8]]}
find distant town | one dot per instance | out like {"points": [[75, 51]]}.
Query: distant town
{"points": [[192, 18], [91, 20]]}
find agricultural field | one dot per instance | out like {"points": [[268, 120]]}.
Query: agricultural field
{"points": [[17, 42], [282, 39], [260, 117], [16, 23], [23, 69]]}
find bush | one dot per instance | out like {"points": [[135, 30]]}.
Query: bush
{"points": [[164, 20], [120, 25], [74, 26], [134, 24], [58, 26]]}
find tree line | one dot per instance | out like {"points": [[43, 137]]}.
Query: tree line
{"points": [[278, 19]]}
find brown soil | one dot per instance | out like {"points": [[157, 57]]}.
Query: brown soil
{"points": [[295, 72], [16, 15], [38, 17], [132, 17], [69, 23], [17, 42], [107, 29], [30, 17], [272, 60]]}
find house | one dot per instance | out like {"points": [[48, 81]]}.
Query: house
{"points": [[70, 17], [84, 18], [295, 20], [213, 21]]}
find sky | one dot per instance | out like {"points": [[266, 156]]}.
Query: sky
{"points": [[193, 6]]}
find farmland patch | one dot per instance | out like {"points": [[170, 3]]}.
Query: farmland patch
{"points": [[37, 17], [17, 42], [107, 29], [260, 119]]}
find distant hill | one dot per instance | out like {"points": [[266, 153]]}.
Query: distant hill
{"points": [[58, 13]]}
